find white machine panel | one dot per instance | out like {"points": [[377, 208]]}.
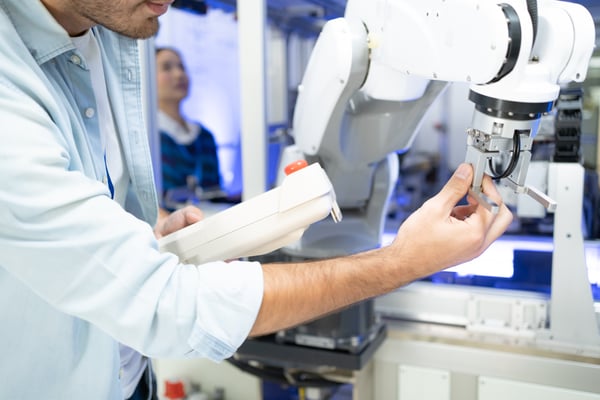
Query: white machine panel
{"points": [[416, 383], [500, 389]]}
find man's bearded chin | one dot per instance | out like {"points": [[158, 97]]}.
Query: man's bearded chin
{"points": [[149, 29]]}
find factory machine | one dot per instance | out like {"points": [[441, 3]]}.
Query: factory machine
{"points": [[371, 78]]}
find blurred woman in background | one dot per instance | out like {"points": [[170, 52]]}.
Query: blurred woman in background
{"points": [[190, 165]]}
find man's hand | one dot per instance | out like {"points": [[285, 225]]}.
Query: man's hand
{"points": [[440, 233], [169, 223]]}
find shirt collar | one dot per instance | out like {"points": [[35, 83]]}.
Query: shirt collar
{"points": [[172, 128], [44, 37]]}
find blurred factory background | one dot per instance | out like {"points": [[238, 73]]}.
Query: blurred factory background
{"points": [[245, 80]]}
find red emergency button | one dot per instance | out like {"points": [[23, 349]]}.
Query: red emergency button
{"points": [[294, 166], [174, 390]]}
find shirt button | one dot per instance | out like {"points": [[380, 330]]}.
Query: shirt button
{"points": [[75, 59], [89, 112]]}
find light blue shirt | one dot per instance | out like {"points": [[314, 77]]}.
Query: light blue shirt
{"points": [[77, 272]]}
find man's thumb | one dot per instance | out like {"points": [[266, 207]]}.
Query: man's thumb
{"points": [[458, 185]]}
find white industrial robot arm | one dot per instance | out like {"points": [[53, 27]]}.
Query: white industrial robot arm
{"points": [[374, 73]]}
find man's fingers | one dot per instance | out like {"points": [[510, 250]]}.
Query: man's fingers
{"points": [[499, 225], [192, 214], [489, 189], [180, 219]]}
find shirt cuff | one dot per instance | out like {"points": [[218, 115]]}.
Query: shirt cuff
{"points": [[229, 298]]}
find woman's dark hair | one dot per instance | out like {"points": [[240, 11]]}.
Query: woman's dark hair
{"points": [[158, 49]]}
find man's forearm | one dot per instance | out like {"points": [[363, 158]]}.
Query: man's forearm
{"points": [[296, 293]]}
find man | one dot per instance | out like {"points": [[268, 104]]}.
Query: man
{"points": [[79, 266]]}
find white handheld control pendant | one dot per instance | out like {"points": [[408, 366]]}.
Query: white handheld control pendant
{"points": [[259, 225]]}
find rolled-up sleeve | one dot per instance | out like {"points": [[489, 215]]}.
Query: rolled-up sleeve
{"points": [[226, 308]]}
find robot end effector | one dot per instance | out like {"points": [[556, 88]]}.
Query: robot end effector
{"points": [[508, 110], [496, 136]]}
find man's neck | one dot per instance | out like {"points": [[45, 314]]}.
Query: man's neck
{"points": [[66, 15]]}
